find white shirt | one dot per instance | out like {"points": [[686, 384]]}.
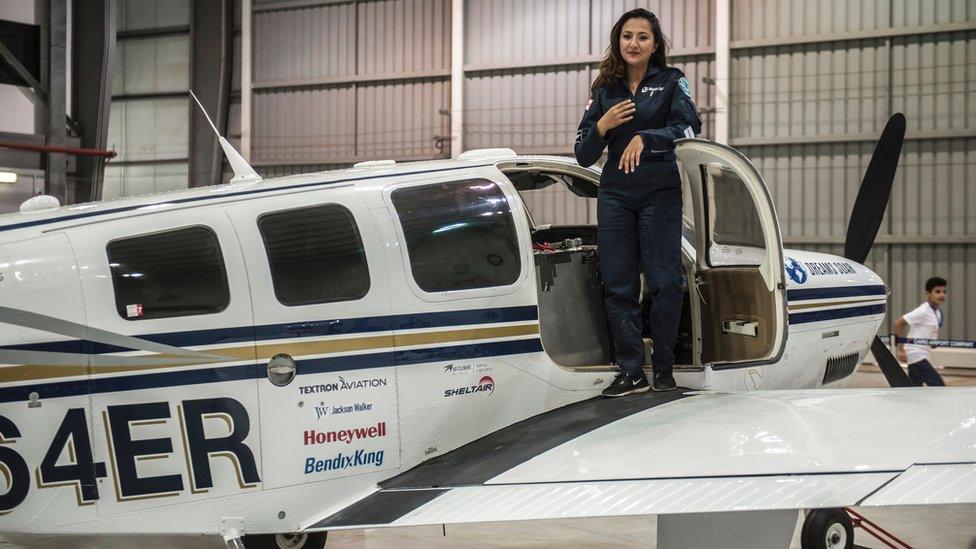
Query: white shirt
{"points": [[923, 323]]}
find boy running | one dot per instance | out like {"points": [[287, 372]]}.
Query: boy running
{"points": [[923, 323]]}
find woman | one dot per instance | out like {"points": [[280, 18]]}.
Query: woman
{"points": [[638, 107]]}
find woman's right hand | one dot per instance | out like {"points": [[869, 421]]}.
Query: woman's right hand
{"points": [[621, 113]]}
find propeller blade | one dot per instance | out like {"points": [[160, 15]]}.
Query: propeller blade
{"points": [[872, 198], [889, 364]]}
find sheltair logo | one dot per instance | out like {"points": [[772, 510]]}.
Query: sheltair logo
{"points": [[485, 385]]}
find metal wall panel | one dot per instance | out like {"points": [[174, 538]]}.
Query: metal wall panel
{"points": [[403, 36], [813, 186], [401, 120], [527, 110], [538, 110], [304, 125], [152, 14], [697, 69], [499, 31], [286, 170], [934, 80], [764, 19], [809, 90], [151, 65], [913, 13], [558, 205], [149, 129], [689, 24], [933, 192], [143, 179], [305, 43]]}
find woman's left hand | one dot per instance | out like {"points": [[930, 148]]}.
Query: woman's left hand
{"points": [[631, 157]]}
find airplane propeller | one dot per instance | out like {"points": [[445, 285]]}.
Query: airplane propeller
{"points": [[869, 209]]}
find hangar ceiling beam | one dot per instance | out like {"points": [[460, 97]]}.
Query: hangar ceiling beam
{"points": [[93, 63], [723, 30], [156, 32], [53, 15], [888, 32], [211, 50], [247, 90], [39, 90], [911, 135], [562, 62], [457, 77], [351, 79], [292, 4]]}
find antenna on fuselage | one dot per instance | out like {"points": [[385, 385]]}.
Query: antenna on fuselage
{"points": [[243, 172]]}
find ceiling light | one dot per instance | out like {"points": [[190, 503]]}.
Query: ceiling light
{"points": [[8, 177]]}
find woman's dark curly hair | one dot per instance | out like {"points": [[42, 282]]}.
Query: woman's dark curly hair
{"points": [[613, 65]]}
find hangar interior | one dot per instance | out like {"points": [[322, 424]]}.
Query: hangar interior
{"points": [[801, 87], [331, 83]]}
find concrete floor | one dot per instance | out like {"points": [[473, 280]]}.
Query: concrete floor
{"points": [[946, 526]]}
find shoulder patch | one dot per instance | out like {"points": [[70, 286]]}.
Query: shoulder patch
{"points": [[684, 85]]}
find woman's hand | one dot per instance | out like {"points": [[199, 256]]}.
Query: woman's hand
{"points": [[621, 113], [631, 157]]}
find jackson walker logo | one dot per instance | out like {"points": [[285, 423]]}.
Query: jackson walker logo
{"points": [[322, 409]]}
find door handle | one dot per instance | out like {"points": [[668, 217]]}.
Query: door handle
{"points": [[301, 328], [306, 328], [741, 327]]}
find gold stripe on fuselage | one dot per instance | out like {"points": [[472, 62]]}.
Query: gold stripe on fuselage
{"points": [[248, 351], [833, 304]]}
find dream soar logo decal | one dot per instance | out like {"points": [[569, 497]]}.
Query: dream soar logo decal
{"points": [[486, 385], [646, 89], [685, 86], [795, 270]]}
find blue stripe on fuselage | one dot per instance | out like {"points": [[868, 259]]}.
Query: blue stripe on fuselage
{"points": [[835, 292], [834, 314], [158, 380], [345, 326]]}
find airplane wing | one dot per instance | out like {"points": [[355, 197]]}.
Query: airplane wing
{"points": [[694, 452]]}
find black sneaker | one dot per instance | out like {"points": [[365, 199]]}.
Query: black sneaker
{"points": [[624, 385], [663, 383]]}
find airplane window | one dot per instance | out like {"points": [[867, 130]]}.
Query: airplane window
{"points": [[316, 255], [460, 235], [736, 229], [556, 199], [168, 274]]}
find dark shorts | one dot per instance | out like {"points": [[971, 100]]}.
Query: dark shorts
{"points": [[922, 373]]}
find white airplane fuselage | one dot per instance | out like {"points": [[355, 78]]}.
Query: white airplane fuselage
{"points": [[112, 423]]}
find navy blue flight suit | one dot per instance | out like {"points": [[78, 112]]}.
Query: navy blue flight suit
{"points": [[639, 214]]}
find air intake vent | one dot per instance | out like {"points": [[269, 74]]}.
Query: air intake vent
{"points": [[839, 367]]}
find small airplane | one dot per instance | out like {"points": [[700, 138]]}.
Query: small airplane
{"points": [[400, 344]]}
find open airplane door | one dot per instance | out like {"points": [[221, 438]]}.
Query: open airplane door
{"points": [[739, 273]]}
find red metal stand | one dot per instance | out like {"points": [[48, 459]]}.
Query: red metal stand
{"points": [[876, 531]]}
